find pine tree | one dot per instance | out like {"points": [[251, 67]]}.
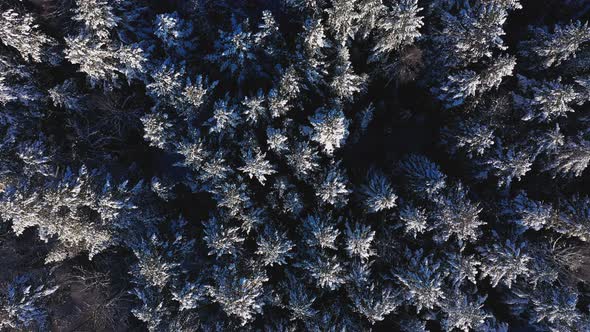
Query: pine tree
{"points": [[274, 247], [399, 28], [379, 194], [96, 59], [20, 32], [221, 238], [97, 16], [474, 34], [423, 176], [60, 210], [571, 159], [551, 100], [415, 220], [256, 166], [422, 281], [174, 32], [157, 129], [303, 172], [458, 216], [239, 296], [459, 87], [464, 314], [23, 305], [326, 271], [505, 262], [235, 50], [330, 128], [358, 241], [562, 44], [333, 188], [510, 165]]}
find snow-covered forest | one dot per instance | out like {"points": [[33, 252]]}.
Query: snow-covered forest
{"points": [[295, 165]]}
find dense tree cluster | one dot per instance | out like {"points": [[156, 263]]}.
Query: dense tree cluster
{"points": [[294, 165]]}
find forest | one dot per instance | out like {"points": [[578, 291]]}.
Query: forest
{"points": [[295, 165]]}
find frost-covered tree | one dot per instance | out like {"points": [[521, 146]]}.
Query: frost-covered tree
{"points": [[340, 165], [326, 271], [557, 308], [562, 44], [65, 95], [474, 33], [358, 241], [221, 238], [459, 87], [571, 159], [35, 158], [463, 314], [190, 296], [240, 296], [369, 14], [510, 165], [505, 262], [346, 84], [298, 300], [174, 32], [235, 50], [156, 127], [333, 188], [152, 311], [255, 108], [463, 267], [475, 138], [167, 83], [196, 92], [378, 193], [158, 262], [422, 281], [20, 31], [373, 304], [415, 220], [501, 67], [573, 219], [398, 27], [97, 16], [276, 139], [530, 213], [330, 128], [341, 19], [458, 216], [423, 176], [320, 231], [550, 100], [82, 210], [256, 166], [96, 58], [23, 305], [303, 159], [274, 247], [225, 117]]}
